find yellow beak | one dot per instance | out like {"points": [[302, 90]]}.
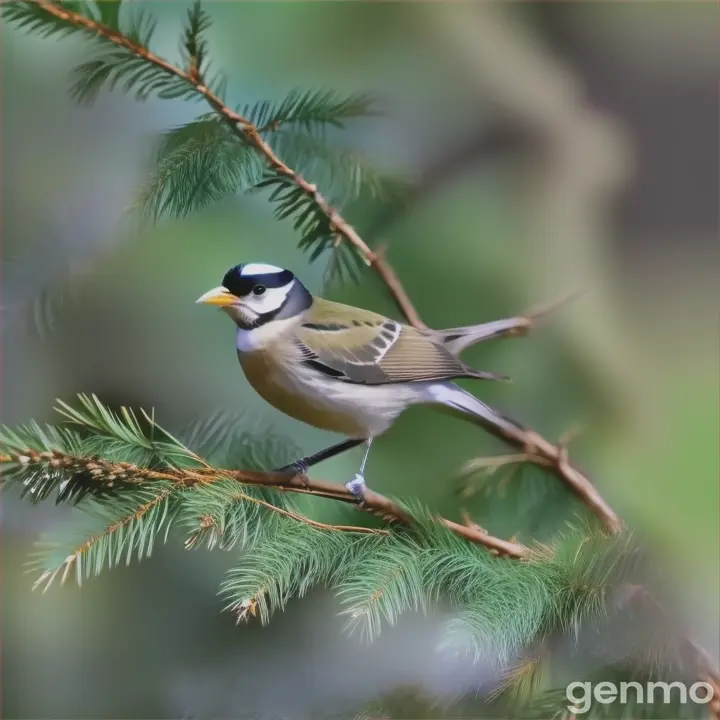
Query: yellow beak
{"points": [[219, 296]]}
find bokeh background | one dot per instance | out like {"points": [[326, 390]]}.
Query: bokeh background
{"points": [[555, 147]]}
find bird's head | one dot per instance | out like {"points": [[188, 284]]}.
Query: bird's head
{"points": [[253, 294]]}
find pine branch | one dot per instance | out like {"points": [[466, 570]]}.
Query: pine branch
{"points": [[536, 450], [53, 459], [129, 61], [179, 82], [96, 476], [416, 562], [341, 174]]}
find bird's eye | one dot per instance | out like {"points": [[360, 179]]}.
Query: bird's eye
{"points": [[258, 290]]}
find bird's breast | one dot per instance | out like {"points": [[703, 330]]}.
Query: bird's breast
{"points": [[354, 410]]}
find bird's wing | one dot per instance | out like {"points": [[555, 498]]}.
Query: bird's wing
{"points": [[358, 346]]}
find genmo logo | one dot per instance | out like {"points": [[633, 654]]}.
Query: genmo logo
{"points": [[583, 694]]}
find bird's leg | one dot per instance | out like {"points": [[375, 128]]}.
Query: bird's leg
{"points": [[300, 467], [357, 485]]}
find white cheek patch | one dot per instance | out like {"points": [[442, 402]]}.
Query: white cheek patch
{"points": [[259, 269], [270, 300]]}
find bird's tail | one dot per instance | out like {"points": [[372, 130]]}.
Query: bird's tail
{"points": [[457, 401], [457, 339]]}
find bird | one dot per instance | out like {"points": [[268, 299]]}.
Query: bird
{"points": [[342, 368]]}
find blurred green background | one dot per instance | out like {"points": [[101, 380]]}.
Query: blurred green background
{"points": [[556, 147]]}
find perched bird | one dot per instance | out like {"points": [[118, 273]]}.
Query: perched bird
{"points": [[342, 368]]}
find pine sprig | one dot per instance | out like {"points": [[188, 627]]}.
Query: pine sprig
{"points": [[227, 515], [588, 566], [31, 17], [286, 564], [204, 162], [43, 460], [113, 66], [520, 682], [382, 584], [110, 533], [318, 233], [194, 45], [342, 174], [99, 453], [496, 609], [121, 40], [196, 166], [125, 57], [124, 435], [311, 111]]}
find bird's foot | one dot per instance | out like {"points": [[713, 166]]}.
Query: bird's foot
{"points": [[357, 487], [298, 468]]}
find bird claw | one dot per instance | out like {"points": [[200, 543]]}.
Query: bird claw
{"points": [[357, 487], [297, 468]]}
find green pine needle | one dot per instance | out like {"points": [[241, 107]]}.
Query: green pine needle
{"points": [[108, 12], [381, 584], [109, 534], [111, 67], [195, 46], [311, 111], [124, 436], [40, 478], [113, 63], [341, 174], [234, 440], [207, 161], [287, 563], [225, 514], [195, 166], [30, 17]]}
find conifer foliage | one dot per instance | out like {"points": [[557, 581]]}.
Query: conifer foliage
{"points": [[135, 486]]}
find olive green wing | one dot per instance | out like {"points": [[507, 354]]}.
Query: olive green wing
{"points": [[361, 347]]}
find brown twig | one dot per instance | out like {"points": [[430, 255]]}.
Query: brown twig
{"points": [[309, 521], [249, 133], [107, 474], [554, 458], [374, 503], [538, 451]]}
